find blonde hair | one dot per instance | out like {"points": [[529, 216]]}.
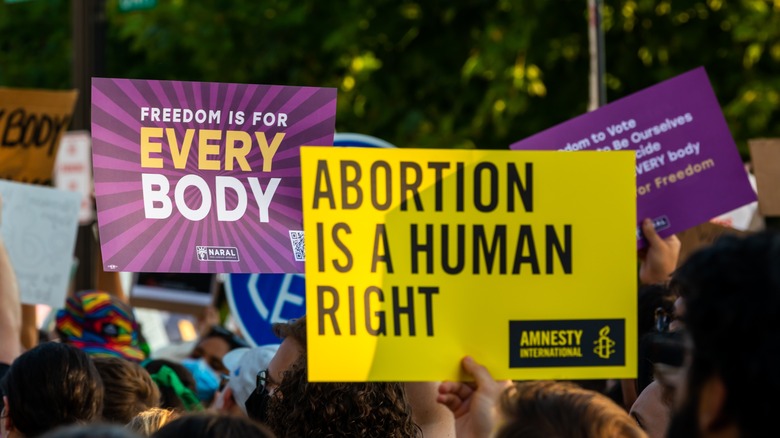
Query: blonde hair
{"points": [[562, 409], [151, 420]]}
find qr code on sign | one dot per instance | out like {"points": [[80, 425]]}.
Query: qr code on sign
{"points": [[298, 245]]}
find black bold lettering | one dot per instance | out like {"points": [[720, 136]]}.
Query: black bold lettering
{"points": [[407, 310], [388, 180], [335, 234], [526, 238], [525, 190], [460, 186], [438, 167], [381, 232], [330, 311], [380, 314], [493, 178], [353, 183], [351, 296], [323, 177], [460, 250], [426, 247], [320, 247], [428, 292], [412, 185], [564, 251], [498, 245]]}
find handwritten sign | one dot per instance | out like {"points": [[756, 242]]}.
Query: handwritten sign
{"points": [[203, 177], [415, 258], [32, 123], [687, 164], [39, 228]]}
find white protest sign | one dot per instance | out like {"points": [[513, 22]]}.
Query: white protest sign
{"points": [[39, 227], [73, 170]]}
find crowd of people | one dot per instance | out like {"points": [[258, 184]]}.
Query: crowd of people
{"points": [[707, 351]]}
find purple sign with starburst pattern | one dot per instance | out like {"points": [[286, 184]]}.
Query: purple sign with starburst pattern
{"points": [[203, 177]]}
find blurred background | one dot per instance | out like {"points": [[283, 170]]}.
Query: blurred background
{"points": [[433, 74]]}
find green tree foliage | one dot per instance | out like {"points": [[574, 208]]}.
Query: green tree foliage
{"points": [[35, 50], [466, 74]]}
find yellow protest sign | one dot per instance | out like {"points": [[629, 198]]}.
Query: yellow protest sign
{"points": [[32, 123], [415, 258]]}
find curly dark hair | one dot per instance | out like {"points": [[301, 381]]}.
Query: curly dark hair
{"points": [[366, 409], [732, 300]]}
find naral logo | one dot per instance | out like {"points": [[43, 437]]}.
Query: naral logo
{"points": [[217, 253]]}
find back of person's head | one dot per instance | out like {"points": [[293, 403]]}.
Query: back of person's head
{"points": [[151, 420], [52, 385], [213, 426], [564, 410], [128, 389], [732, 301], [176, 384], [91, 431], [372, 409]]}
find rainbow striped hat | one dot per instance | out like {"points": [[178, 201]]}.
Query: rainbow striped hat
{"points": [[101, 325]]}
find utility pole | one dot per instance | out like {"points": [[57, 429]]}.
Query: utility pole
{"points": [[88, 19], [597, 83]]}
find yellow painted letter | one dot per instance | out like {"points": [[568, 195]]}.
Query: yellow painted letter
{"points": [[269, 151], [205, 149], [237, 154], [179, 155], [147, 147]]}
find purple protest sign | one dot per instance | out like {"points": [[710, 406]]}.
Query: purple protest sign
{"points": [[203, 177], [687, 165]]}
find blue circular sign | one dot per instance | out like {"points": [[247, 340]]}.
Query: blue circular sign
{"points": [[257, 301]]}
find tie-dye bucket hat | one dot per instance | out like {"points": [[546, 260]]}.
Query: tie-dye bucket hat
{"points": [[101, 325]]}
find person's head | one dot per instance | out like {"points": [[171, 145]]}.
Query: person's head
{"points": [[213, 426], [100, 324], [128, 389], [732, 299], [302, 408], [561, 409], [214, 345], [49, 386], [151, 420], [651, 411], [293, 346], [176, 384], [91, 431], [243, 364]]}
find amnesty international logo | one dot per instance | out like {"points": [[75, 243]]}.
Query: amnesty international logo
{"points": [[567, 343], [605, 347]]}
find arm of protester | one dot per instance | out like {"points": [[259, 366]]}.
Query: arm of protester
{"points": [[10, 308], [29, 335], [473, 403], [108, 281], [659, 259], [434, 419]]}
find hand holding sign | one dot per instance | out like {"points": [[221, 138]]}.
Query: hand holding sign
{"points": [[473, 404], [659, 258]]}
